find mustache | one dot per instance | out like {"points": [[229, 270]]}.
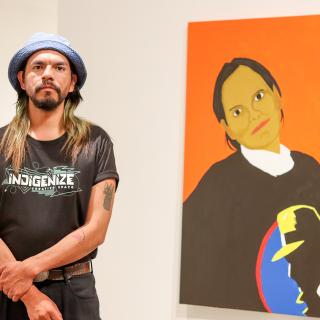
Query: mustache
{"points": [[47, 85]]}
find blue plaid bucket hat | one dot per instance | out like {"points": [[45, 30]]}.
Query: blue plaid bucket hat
{"points": [[43, 41]]}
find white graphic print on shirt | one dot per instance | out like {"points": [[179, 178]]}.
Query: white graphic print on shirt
{"points": [[50, 182]]}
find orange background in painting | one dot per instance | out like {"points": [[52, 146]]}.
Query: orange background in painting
{"points": [[288, 47]]}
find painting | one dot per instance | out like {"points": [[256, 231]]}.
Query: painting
{"points": [[251, 202]]}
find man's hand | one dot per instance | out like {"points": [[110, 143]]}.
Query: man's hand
{"points": [[15, 279], [40, 307]]}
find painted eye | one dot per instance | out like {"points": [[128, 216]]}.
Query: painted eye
{"points": [[259, 95], [236, 112]]}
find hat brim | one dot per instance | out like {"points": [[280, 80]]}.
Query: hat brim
{"points": [[19, 59], [286, 250]]}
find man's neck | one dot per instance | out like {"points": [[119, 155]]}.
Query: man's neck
{"points": [[46, 125]]}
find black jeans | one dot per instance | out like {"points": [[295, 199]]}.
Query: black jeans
{"points": [[76, 299]]}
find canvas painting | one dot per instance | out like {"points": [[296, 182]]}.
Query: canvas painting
{"points": [[251, 203]]}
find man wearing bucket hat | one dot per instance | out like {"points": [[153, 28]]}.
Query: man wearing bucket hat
{"points": [[58, 178]]}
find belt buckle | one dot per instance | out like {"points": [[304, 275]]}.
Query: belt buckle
{"points": [[42, 276], [66, 275]]}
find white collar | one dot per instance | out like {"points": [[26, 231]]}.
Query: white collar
{"points": [[272, 163]]}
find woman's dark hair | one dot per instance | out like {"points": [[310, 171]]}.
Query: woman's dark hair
{"points": [[224, 74]]}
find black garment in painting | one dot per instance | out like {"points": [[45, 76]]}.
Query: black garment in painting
{"points": [[224, 221]]}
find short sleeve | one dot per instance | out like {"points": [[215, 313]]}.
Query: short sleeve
{"points": [[105, 160]]}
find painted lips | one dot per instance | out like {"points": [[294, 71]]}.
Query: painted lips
{"points": [[260, 126]]}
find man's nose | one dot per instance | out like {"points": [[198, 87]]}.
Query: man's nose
{"points": [[47, 73]]}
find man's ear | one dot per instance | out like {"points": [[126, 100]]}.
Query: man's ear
{"points": [[227, 129], [20, 76], [74, 79]]}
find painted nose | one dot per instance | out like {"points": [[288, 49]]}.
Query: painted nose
{"points": [[255, 114]]}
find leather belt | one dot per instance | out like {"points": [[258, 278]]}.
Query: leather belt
{"points": [[66, 273]]}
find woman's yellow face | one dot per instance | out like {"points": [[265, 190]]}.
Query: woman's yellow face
{"points": [[252, 109]]}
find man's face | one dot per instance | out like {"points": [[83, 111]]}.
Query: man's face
{"points": [[47, 79], [252, 109]]}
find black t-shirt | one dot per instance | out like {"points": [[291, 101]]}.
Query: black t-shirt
{"points": [[49, 196]]}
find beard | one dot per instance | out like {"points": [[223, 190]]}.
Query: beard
{"points": [[48, 102]]}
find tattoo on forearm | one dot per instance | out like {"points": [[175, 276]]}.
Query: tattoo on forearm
{"points": [[108, 191]]}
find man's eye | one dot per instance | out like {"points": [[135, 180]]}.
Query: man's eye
{"points": [[60, 68], [259, 95], [236, 112], [36, 67]]}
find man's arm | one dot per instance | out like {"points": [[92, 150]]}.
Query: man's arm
{"points": [[36, 302], [15, 277], [5, 253], [84, 240]]}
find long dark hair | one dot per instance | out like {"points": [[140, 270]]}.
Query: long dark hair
{"points": [[14, 140]]}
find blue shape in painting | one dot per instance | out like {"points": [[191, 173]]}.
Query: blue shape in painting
{"points": [[279, 289]]}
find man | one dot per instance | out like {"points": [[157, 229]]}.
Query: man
{"points": [[58, 180]]}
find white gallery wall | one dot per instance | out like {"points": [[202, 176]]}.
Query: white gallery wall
{"points": [[135, 52], [19, 19]]}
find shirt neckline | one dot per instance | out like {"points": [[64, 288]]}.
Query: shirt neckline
{"points": [[269, 162], [55, 141]]}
